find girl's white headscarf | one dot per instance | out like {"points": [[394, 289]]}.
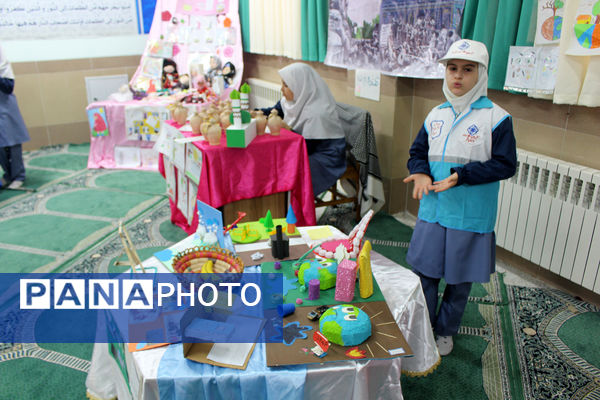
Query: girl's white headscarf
{"points": [[313, 112], [470, 50], [5, 68], [461, 103]]}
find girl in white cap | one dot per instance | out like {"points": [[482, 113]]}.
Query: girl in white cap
{"points": [[309, 108], [12, 129], [464, 148]]}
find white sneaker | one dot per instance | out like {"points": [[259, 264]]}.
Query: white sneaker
{"points": [[15, 184], [444, 345]]}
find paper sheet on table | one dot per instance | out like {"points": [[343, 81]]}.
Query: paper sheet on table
{"points": [[230, 353], [319, 233]]}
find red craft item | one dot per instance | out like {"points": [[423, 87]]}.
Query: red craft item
{"points": [[321, 341]]}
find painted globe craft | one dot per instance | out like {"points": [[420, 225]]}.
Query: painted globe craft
{"points": [[325, 271], [345, 325]]}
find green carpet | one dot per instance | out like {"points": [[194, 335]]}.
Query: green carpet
{"points": [[69, 224]]}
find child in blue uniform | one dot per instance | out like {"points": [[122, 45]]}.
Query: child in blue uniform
{"points": [[464, 148], [12, 129], [309, 108]]}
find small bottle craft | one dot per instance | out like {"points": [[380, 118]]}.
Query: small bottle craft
{"points": [[180, 114], [261, 122], [195, 122], [224, 117], [214, 133], [275, 123]]}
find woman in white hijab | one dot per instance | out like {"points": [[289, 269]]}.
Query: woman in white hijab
{"points": [[12, 129], [309, 108]]}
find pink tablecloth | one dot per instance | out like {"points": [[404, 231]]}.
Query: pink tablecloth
{"points": [[270, 164]]}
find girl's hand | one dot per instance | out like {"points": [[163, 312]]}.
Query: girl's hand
{"points": [[445, 184], [422, 185]]}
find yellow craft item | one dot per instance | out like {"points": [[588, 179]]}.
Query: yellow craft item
{"points": [[207, 267], [365, 275]]}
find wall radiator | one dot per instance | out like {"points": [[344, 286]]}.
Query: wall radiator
{"points": [[548, 213], [263, 93]]}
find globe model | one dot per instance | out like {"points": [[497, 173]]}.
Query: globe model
{"points": [[345, 325]]}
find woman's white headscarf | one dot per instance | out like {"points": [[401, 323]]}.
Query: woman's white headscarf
{"points": [[469, 50], [313, 112], [5, 68]]}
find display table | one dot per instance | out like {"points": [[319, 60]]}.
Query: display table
{"points": [[270, 164], [163, 373]]}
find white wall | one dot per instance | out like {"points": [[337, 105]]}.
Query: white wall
{"points": [[69, 49]]}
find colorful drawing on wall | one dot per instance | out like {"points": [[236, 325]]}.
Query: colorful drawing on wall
{"points": [[520, 71], [203, 7], [143, 123], [586, 29], [98, 121], [549, 21]]}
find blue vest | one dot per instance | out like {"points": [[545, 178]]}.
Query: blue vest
{"points": [[454, 142]]}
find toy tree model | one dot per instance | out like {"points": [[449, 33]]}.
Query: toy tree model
{"points": [[267, 221]]}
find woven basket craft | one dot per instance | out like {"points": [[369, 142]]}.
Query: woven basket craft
{"points": [[192, 260]]}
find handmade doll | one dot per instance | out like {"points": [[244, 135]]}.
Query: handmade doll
{"points": [[228, 74], [170, 78]]}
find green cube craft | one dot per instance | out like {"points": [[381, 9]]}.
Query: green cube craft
{"points": [[241, 136]]}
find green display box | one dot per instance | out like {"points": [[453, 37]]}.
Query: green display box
{"points": [[241, 136]]}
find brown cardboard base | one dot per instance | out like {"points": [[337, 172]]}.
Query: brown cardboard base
{"points": [[385, 337]]}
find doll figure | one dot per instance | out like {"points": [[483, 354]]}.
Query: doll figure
{"points": [[228, 74], [184, 81], [170, 78]]}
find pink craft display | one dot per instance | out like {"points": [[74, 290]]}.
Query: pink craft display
{"points": [[345, 281]]}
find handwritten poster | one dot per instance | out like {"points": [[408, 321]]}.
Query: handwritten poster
{"points": [[367, 84], [42, 19]]}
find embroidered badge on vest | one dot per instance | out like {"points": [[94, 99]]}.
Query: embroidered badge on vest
{"points": [[436, 128], [471, 137]]}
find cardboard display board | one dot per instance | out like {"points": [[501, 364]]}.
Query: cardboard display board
{"points": [[386, 339]]}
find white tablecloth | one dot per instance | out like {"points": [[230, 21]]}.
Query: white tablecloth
{"points": [[370, 379]]}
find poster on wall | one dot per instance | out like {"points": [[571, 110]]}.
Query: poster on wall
{"points": [[44, 19], [549, 21], [546, 69], [586, 41], [532, 69], [521, 67], [396, 37]]}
